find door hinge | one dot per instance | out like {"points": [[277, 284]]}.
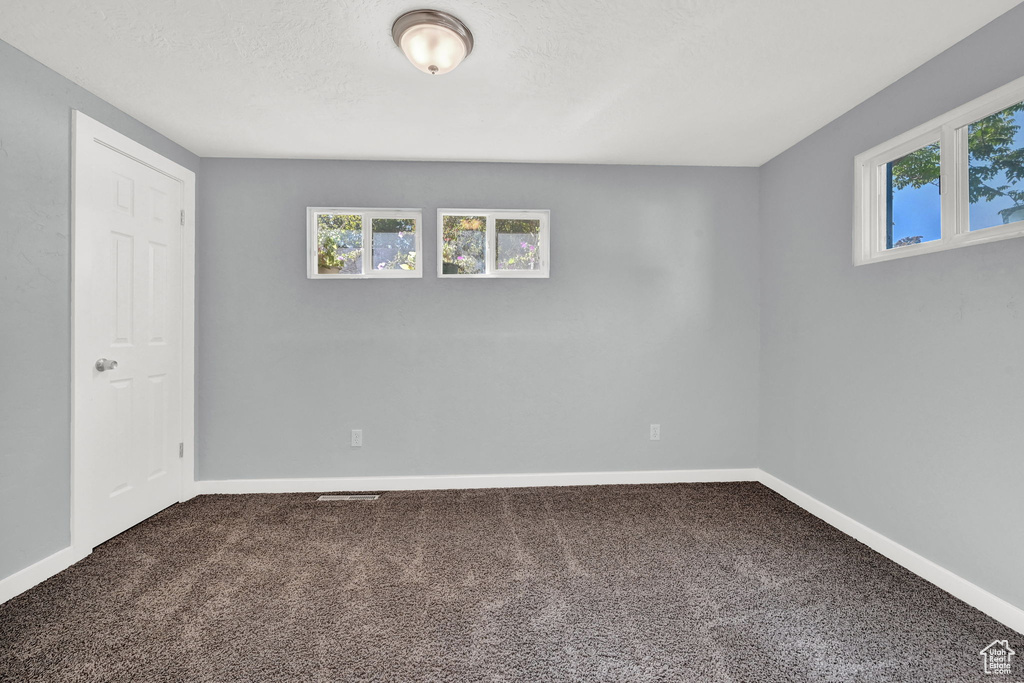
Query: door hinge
{"points": [[181, 450], [183, 217]]}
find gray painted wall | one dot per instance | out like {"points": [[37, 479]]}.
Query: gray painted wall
{"points": [[650, 315], [891, 392], [894, 392], [35, 298]]}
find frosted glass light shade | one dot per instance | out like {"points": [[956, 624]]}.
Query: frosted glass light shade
{"points": [[433, 49], [435, 42]]}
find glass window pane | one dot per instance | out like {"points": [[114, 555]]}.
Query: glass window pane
{"points": [[394, 243], [518, 246], [996, 158], [339, 244], [914, 207], [465, 245]]}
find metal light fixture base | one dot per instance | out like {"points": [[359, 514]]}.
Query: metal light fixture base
{"points": [[431, 16]]}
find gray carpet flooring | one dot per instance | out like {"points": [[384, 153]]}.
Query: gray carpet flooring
{"points": [[696, 582]]}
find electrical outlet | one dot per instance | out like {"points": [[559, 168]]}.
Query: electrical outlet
{"points": [[655, 432], [357, 438]]}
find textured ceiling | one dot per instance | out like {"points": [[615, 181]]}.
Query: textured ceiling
{"points": [[709, 82]]}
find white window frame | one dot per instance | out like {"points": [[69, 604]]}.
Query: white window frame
{"points": [[950, 131], [369, 272], [492, 215]]}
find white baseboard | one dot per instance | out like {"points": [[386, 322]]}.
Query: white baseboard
{"points": [[474, 481], [955, 585], [34, 574]]}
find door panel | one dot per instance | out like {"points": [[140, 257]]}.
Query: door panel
{"points": [[128, 308]]}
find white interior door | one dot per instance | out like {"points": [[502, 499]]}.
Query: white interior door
{"points": [[129, 300]]}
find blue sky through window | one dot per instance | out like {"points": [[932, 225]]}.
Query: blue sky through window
{"points": [[915, 201], [916, 213]]}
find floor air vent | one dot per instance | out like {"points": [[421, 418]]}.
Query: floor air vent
{"points": [[353, 496]]}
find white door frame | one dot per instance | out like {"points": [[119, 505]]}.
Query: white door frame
{"points": [[88, 131]]}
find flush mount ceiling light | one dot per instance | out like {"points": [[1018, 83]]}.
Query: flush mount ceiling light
{"points": [[435, 42]]}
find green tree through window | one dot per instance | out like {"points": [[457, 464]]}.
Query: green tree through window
{"points": [[996, 162]]}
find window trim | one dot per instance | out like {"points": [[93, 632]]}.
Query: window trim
{"points": [[950, 131], [369, 273], [492, 215]]}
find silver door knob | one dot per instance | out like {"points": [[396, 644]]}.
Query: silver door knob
{"points": [[103, 365]]}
